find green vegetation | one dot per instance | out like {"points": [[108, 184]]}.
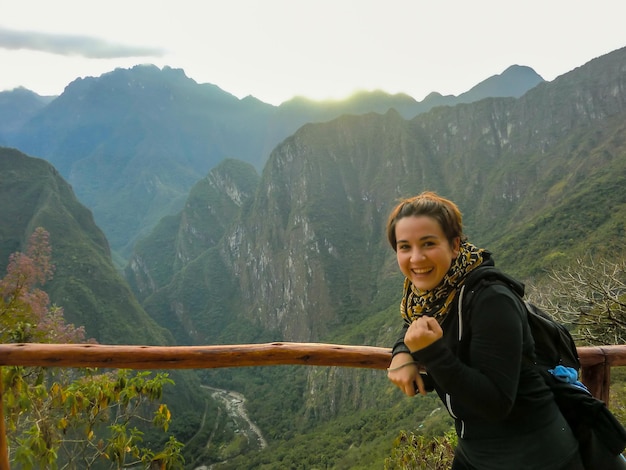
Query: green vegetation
{"points": [[360, 440], [71, 419], [418, 452], [92, 292]]}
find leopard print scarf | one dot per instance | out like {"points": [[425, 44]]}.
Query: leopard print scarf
{"points": [[435, 302]]}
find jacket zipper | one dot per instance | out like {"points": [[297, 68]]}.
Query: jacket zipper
{"points": [[449, 406], [460, 335]]}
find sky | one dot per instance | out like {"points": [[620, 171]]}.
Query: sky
{"points": [[275, 50]]}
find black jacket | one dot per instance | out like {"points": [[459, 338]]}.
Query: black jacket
{"points": [[478, 370], [482, 379]]}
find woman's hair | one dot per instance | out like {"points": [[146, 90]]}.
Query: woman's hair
{"points": [[432, 205]]}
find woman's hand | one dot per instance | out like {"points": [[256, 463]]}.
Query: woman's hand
{"points": [[404, 373], [422, 332]]}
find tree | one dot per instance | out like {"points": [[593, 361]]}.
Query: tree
{"points": [[25, 314], [71, 418], [589, 297]]}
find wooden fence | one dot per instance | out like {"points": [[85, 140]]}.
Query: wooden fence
{"points": [[596, 361]]}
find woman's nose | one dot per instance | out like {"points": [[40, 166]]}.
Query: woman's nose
{"points": [[416, 255]]}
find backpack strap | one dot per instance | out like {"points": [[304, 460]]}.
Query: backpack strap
{"points": [[476, 281], [483, 276]]}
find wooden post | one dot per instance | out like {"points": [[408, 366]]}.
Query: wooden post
{"points": [[4, 445], [596, 370], [596, 379]]}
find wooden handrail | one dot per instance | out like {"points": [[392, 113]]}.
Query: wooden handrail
{"points": [[193, 357], [233, 355], [596, 361]]}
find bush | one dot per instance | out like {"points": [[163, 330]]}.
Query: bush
{"points": [[418, 452]]}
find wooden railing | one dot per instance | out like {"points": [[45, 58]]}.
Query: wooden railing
{"points": [[596, 361]]}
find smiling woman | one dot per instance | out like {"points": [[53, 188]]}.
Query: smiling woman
{"points": [[482, 366]]}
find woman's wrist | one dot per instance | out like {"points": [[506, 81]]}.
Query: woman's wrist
{"points": [[399, 348], [393, 369]]}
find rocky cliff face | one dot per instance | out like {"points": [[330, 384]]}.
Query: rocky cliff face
{"points": [[308, 250], [310, 253], [212, 206]]}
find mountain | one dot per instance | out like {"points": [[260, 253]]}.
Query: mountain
{"points": [[85, 284], [188, 260], [514, 82], [540, 180], [297, 253], [147, 135], [16, 108], [143, 135]]}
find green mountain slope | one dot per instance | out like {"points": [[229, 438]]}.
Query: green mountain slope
{"points": [[86, 284]]}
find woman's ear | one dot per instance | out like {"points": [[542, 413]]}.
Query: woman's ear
{"points": [[456, 246]]}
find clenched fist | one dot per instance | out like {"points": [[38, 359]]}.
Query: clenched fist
{"points": [[422, 332]]}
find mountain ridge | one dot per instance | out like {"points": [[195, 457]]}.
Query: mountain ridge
{"points": [[166, 132]]}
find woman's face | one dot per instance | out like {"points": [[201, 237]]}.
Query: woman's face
{"points": [[423, 251]]}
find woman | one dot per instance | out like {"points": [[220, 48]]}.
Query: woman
{"points": [[505, 415]]}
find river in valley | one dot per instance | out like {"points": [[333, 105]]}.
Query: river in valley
{"points": [[234, 404]]}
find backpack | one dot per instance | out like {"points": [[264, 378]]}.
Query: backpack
{"points": [[601, 437]]}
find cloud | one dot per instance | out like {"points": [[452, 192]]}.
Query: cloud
{"points": [[72, 45]]}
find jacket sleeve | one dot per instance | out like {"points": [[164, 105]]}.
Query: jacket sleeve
{"points": [[399, 346], [485, 385]]}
